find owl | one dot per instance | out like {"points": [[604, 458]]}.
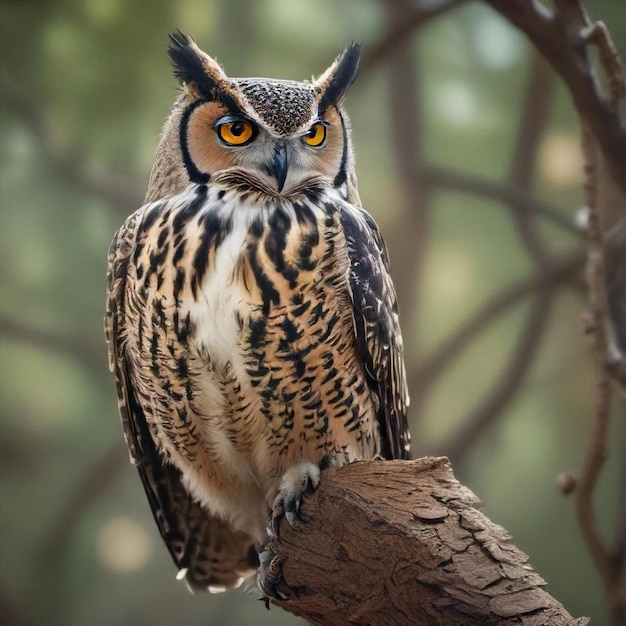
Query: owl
{"points": [[251, 319]]}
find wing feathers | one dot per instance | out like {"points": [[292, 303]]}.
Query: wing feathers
{"points": [[379, 341], [207, 552]]}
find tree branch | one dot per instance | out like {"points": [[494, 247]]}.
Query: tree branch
{"points": [[82, 350], [509, 382], [66, 160], [421, 13], [550, 275], [619, 543], [554, 272], [533, 120], [509, 194], [597, 446], [531, 127], [560, 37], [563, 36], [443, 562]]}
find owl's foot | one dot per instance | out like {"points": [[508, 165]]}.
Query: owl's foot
{"points": [[271, 581], [299, 478], [270, 577]]}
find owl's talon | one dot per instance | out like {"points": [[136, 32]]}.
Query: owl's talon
{"points": [[270, 577], [292, 510], [302, 477]]}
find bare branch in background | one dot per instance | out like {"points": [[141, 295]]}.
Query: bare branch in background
{"points": [[532, 125], [562, 36], [552, 274], [419, 182], [411, 231], [508, 194], [508, 384], [619, 541], [88, 489], [82, 350], [67, 160], [597, 447], [399, 31]]}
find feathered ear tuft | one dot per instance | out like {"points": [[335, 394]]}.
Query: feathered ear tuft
{"points": [[336, 80], [193, 67]]}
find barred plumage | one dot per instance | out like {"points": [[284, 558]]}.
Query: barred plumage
{"points": [[251, 318]]}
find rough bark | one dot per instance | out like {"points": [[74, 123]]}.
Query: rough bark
{"points": [[402, 542]]}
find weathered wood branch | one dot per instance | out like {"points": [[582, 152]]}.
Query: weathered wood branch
{"points": [[402, 542]]}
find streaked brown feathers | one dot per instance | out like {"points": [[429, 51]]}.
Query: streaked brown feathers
{"points": [[251, 318]]}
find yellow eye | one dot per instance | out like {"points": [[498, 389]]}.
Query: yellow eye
{"points": [[316, 136], [235, 132]]}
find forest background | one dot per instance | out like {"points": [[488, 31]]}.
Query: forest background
{"points": [[453, 127]]}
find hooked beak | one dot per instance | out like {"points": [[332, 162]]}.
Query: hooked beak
{"points": [[279, 165]]}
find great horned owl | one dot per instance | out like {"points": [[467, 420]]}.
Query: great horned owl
{"points": [[251, 319]]}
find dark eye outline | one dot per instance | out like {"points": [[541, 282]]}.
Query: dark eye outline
{"points": [[315, 126], [229, 120]]}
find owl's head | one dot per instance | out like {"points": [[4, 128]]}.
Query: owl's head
{"points": [[274, 134]]}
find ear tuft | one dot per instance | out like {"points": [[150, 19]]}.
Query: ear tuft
{"points": [[186, 61], [194, 67], [336, 80]]}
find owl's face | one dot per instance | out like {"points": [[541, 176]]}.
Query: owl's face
{"points": [[274, 134], [219, 138]]}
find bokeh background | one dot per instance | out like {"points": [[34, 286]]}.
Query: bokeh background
{"points": [[454, 128]]}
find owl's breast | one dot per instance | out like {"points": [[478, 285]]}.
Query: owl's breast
{"points": [[244, 356], [297, 340], [273, 317], [250, 262], [256, 325]]}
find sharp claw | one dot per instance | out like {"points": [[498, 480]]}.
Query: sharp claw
{"points": [[297, 480], [292, 510], [293, 519], [265, 558], [270, 576], [287, 506]]}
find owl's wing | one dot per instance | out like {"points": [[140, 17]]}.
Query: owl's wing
{"points": [[378, 337], [208, 553]]}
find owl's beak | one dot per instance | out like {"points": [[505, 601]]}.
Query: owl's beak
{"points": [[280, 164]]}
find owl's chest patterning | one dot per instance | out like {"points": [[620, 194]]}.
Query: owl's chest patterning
{"points": [[243, 351]]}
